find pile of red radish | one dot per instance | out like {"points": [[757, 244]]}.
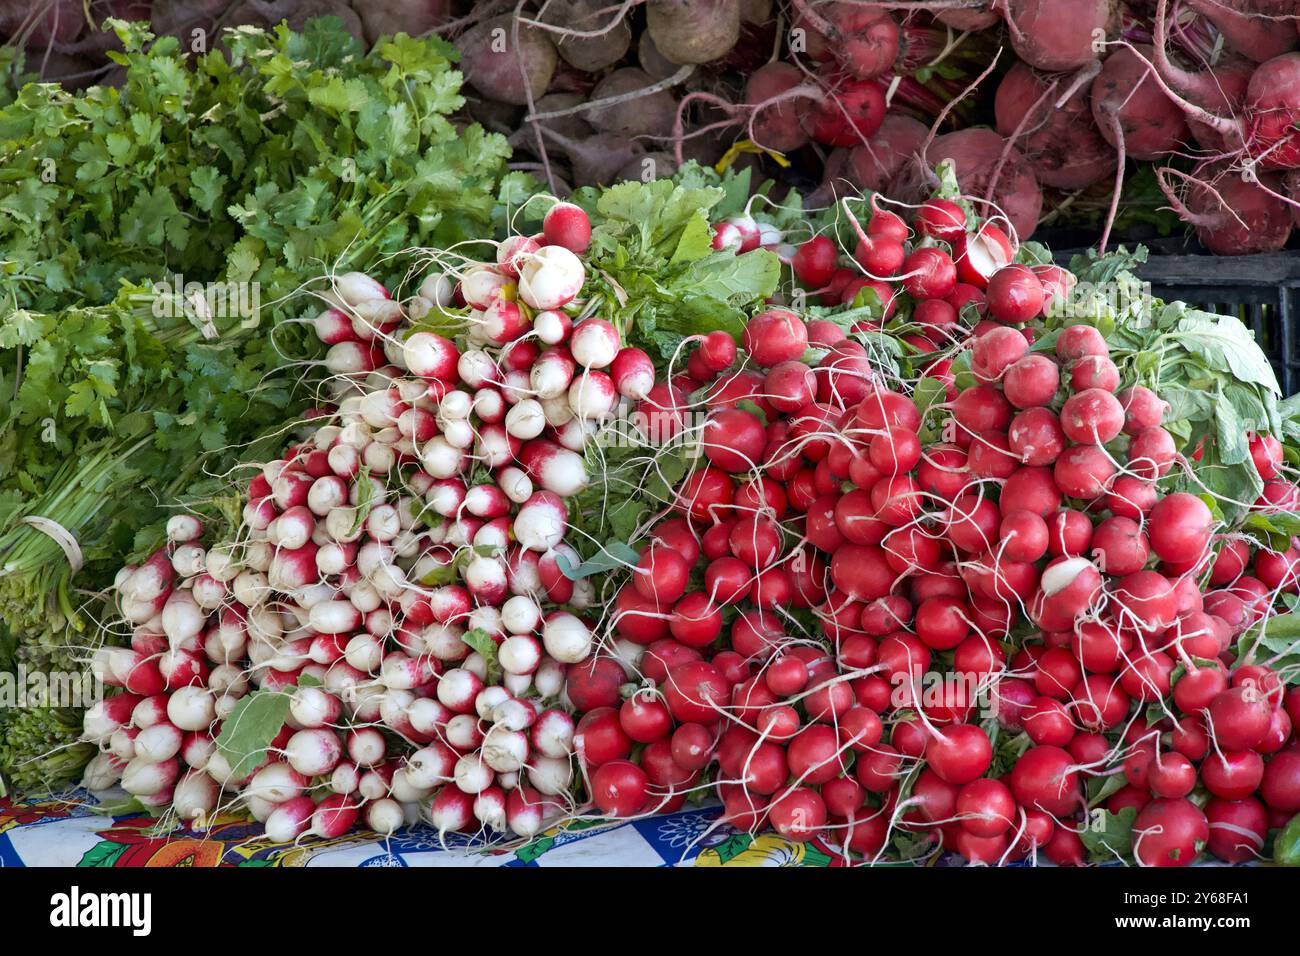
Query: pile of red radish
{"points": [[1027, 572]]}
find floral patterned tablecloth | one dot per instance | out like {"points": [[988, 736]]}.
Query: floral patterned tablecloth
{"points": [[73, 829]]}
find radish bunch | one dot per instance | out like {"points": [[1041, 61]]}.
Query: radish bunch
{"points": [[399, 573], [1044, 501], [1225, 730], [940, 264]]}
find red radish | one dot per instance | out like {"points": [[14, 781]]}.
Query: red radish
{"points": [[661, 574], [880, 256], [1044, 778], [503, 321], [600, 738], [1169, 832], [594, 682], [1031, 381], [619, 788], [1180, 527], [718, 350], [633, 373], [1266, 453], [814, 755], [775, 336], [357, 287], [645, 719], [482, 285], [959, 753], [1069, 587], [1024, 535], [695, 692], [1145, 600], [1035, 436], [798, 814], [734, 439], [567, 225], [1142, 408], [929, 273], [512, 251], [1151, 453], [1280, 788], [1239, 718], [1093, 416], [814, 262], [554, 468], [887, 225], [1237, 829], [1084, 471], [1014, 294], [1095, 371], [1234, 775], [878, 769], [941, 219], [995, 352], [981, 408], [981, 254], [334, 326], [895, 450]]}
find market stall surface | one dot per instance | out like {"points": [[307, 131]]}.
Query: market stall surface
{"points": [[74, 829]]}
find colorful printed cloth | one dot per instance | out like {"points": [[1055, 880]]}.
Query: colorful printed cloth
{"points": [[72, 829]]}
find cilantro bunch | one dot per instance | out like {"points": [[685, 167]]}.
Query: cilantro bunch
{"points": [[261, 160]]}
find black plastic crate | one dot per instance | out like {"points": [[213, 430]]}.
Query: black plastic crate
{"points": [[1263, 291]]}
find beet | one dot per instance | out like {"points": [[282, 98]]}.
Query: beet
{"points": [[492, 67], [876, 164], [1231, 216], [693, 31], [388, 17], [963, 19], [1258, 38], [1062, 144], [1059, 35], [589, 54], [1152, 125], [1273, 105], [643, 115], [776, 127], [863, 39]]}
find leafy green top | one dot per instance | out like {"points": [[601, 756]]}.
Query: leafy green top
{"points": [[653, 271], [254, 166]]}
